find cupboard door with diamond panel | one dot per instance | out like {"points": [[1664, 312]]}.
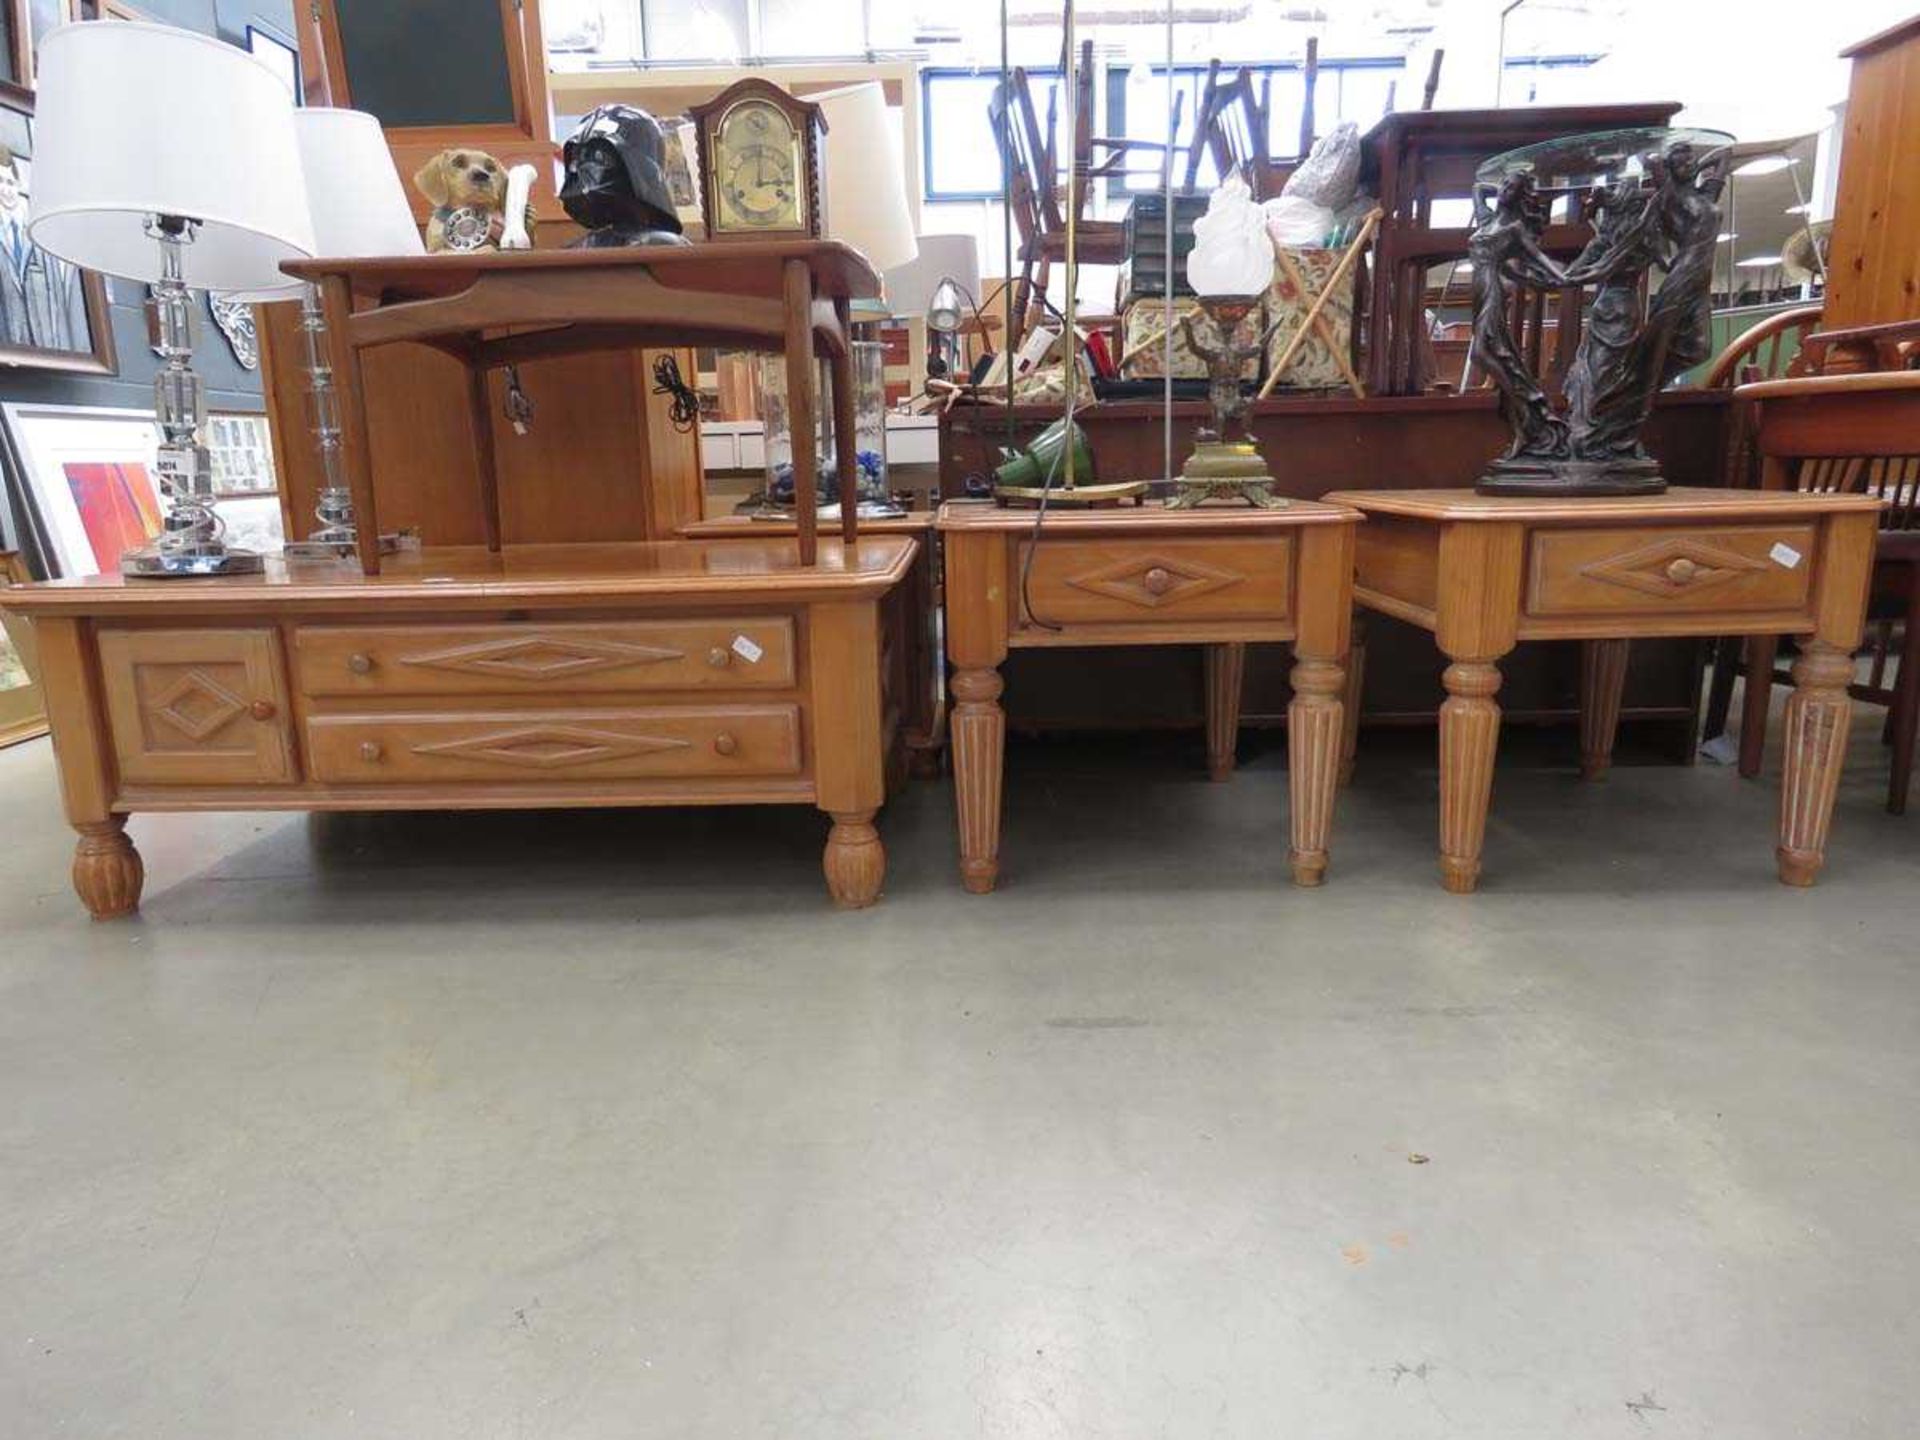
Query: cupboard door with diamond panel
{"points": [[197, 707]]}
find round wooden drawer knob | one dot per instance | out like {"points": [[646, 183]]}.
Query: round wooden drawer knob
{"points": [[360, 664], [719, 657], [263, 709], [725, 744], [370, 750], [1157, 581], [1682, 570]]}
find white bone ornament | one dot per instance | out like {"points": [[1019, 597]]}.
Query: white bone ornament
{"points": [[513, 232]]}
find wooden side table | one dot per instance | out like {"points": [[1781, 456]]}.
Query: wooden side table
{"points": [[1484, 572], [490, 309], [1147, 576]]}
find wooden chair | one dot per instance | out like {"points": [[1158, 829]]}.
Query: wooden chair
{"points": [[1763, 351], [1859, 433], [1098, 157], [1033, 195], [1231, 126]]}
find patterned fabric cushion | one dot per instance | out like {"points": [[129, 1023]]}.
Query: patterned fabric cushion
{"points": [[1287, 301]]}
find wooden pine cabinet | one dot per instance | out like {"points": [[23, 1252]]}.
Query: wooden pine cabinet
{"points": [[198, 707]]}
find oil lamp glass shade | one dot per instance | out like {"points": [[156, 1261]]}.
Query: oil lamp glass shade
{"points": [[946, 310], [353, 192], [1232, 252], [134, 120], [866, 200]]}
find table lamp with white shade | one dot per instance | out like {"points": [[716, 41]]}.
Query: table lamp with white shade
{"points": [[166, 156], [866, 178], [359, 209]]}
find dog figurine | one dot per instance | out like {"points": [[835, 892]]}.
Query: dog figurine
{"points": [[468, 189]]}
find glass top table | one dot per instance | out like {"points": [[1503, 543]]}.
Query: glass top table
{"points": [[1577, 162]]}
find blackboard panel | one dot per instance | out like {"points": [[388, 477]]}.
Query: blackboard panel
{"points": [[426, 62]]}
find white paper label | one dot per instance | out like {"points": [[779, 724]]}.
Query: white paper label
{"points": [[747, 650], [1784, 555]]}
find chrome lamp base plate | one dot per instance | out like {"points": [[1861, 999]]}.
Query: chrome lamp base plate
{"points": [[150, 562], [347, 549]]}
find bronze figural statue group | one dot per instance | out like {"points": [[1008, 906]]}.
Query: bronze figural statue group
{"points": [[1665, 218]]}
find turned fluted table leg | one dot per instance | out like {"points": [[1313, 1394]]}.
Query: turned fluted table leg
{"points": [[1819, 717], [855, 861], [1469, 736], [979, 728], [107, 872], [1226, 667], [1350, 702], [1603, 676], [1315, 734]]}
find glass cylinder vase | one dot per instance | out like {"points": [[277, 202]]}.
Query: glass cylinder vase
{"points": [[780, 439]]}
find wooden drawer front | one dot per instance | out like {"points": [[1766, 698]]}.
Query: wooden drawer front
{"points": [[197, 707], [748, 652], [1149, 582], [560, 745], [1654, 572]]}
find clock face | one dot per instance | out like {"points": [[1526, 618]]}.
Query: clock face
{"points": [[758, 170]]}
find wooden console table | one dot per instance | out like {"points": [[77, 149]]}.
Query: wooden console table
{"points": [[1483, 572], [1218, 577], [721, 672], [492, 309]]}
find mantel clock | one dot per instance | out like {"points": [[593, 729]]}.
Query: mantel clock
{"points": [[760, 157]]}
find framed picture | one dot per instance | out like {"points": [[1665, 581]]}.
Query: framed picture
{"points": [[90, 476], [23, 709], [53, 316], [242, 451], [278, 55]]}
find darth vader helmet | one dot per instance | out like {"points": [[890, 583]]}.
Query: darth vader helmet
{"points": [[616, 179]]}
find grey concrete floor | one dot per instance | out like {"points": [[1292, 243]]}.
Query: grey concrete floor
{"points": [[605, 1125]]}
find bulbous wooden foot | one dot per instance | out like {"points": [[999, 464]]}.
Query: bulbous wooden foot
{"points": [[107, 872], [855, 861]]}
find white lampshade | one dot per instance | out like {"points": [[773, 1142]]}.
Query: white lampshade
{"points": [[910, 287], [866, 178], [353, 192], [136, 120]]}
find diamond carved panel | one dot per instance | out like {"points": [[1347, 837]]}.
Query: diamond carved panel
{"points": [[1680, 565], [551, 747], [1151, 581], [543, 657], [197, 705]]}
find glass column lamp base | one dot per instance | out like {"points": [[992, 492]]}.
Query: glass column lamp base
{"points": [[189, 543]]}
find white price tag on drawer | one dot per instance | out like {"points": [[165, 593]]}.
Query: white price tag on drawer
{"points": [[747, 650], [1784, 555]]}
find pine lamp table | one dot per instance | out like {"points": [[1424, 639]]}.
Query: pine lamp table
{"points": [[722, 672], [1218, 577], [1483, 572]]}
